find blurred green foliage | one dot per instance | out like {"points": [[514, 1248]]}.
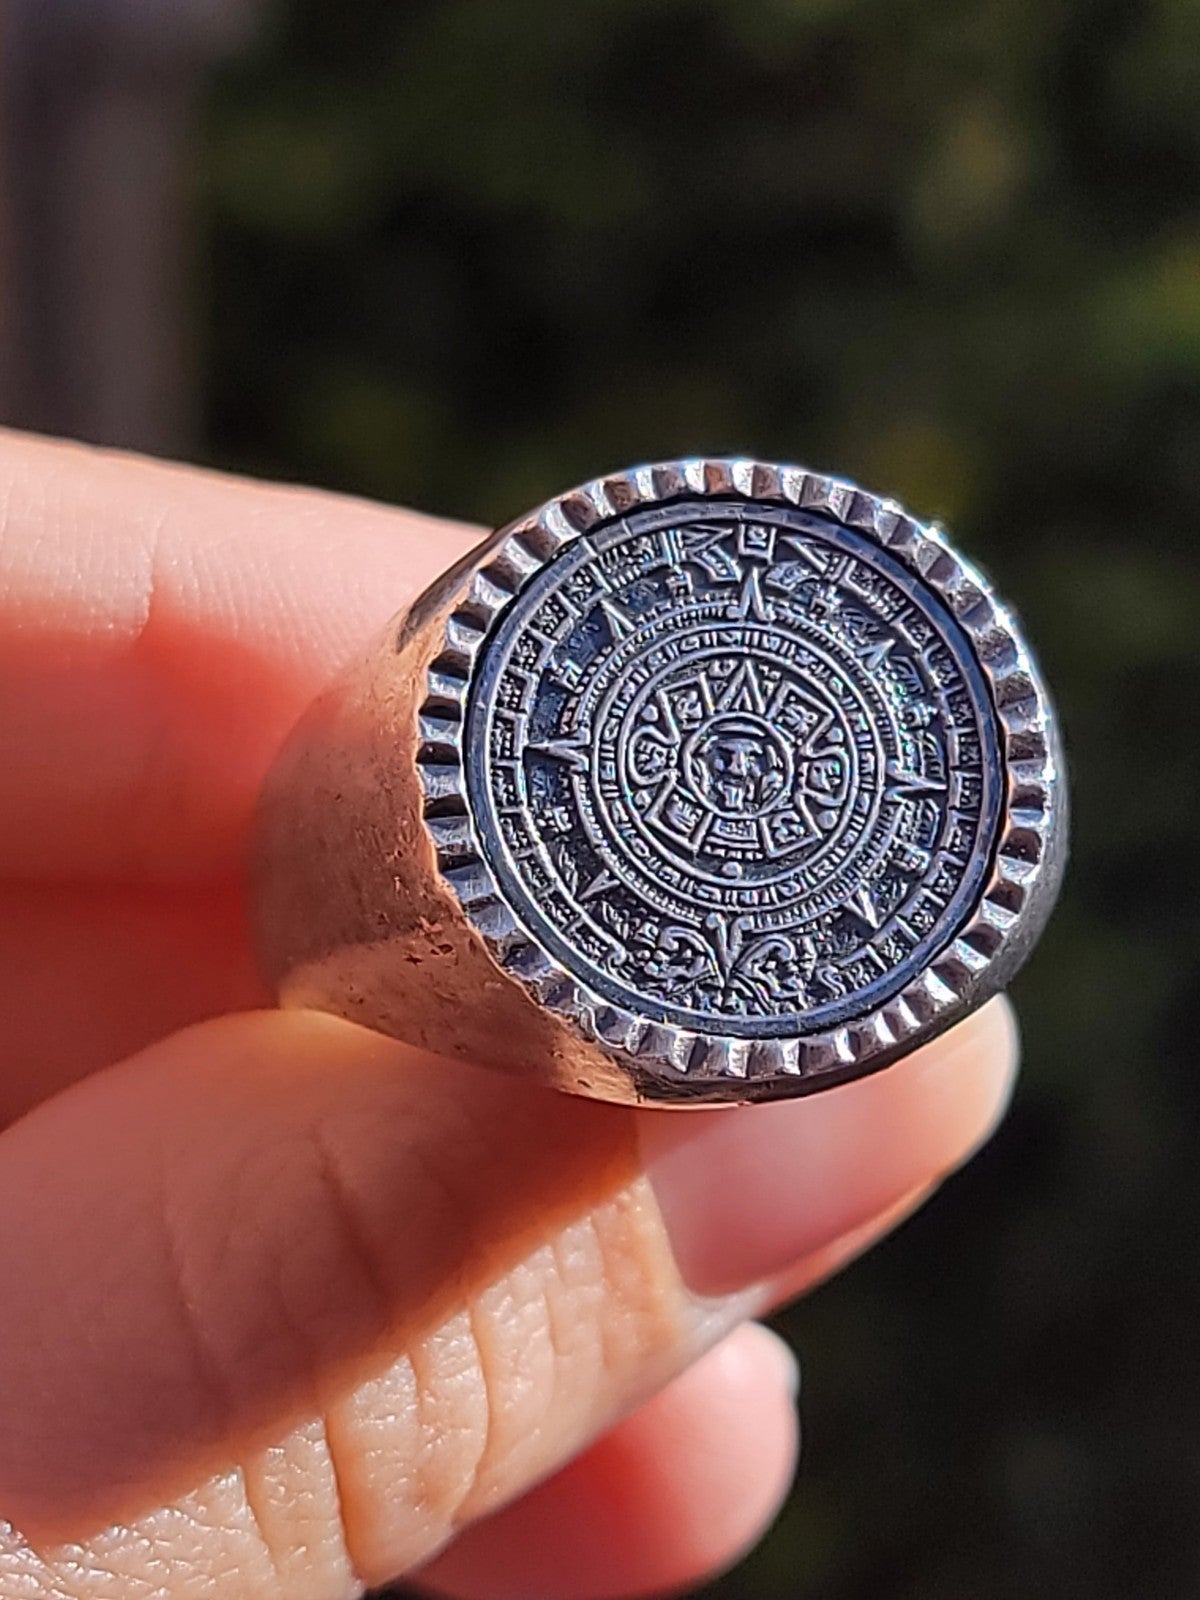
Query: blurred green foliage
{"points": [[465, 252]]}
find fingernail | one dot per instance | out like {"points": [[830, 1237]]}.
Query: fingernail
{"points": [[748, 1192]]}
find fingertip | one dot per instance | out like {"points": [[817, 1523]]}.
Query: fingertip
{"points": [[161, 629], [746, 1194], [754, 1351]]}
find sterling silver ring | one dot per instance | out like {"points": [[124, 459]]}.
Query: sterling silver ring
{"points": [[710, 781]]}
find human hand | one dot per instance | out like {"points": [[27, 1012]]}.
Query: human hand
{"points": [[289, 1308]]}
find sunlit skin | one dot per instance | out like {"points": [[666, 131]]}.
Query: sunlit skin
{"points": [[301, 1309]]}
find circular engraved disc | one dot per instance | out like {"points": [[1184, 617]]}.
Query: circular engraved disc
{"points": [[741, 772], [734, 767]]}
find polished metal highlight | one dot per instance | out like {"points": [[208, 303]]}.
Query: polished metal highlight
{"points": [[710, 781]]}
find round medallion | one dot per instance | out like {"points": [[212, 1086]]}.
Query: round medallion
{"points": [[712, 780], [734, 765]]}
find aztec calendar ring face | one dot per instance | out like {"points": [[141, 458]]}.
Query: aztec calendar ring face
{"points": [[733, 768], [739, 766]]}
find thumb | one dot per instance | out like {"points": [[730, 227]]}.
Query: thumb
{"points": [[368, 1295]]}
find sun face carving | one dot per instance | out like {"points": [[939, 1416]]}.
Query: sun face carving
{"points": [[738, 766], [738, 756]]}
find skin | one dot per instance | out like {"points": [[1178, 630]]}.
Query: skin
{"points": [[301, 1309]]}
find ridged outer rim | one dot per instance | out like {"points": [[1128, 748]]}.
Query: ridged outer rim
{"points": [[975, 963]]}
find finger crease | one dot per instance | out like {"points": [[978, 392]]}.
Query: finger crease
{"points": [[207, 1371], [258, 1510], [483, 1458], [351, 1228], [332, 1447]]}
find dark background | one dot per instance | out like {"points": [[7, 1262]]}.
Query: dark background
{"points": [[462, 253]]}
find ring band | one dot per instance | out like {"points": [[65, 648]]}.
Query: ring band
{"points": [[710, 781]]}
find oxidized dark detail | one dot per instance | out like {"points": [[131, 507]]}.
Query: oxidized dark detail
{"points": [[735, 767]]}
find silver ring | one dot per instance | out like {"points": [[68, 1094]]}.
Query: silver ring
{"points": [[729, 781]]}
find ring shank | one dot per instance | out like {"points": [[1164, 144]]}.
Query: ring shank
{"points": [[352, 915]]}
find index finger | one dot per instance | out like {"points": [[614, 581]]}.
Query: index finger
{"points": [[161, 628]]}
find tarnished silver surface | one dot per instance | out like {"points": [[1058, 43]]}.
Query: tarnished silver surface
{"points": [[740, 779]]}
